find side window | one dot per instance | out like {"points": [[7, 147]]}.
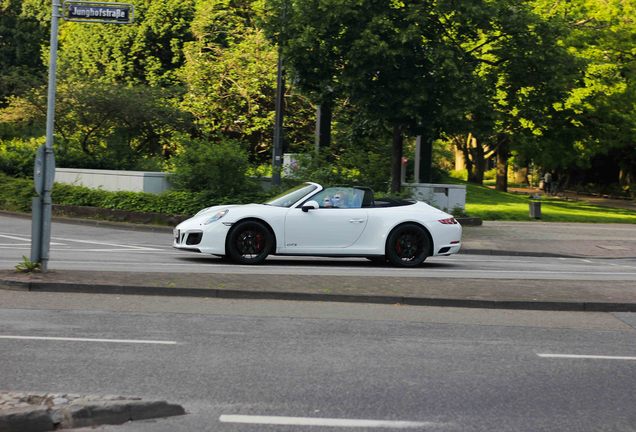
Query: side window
{"points": [[339, 197], [324, 198], [357, 197]]}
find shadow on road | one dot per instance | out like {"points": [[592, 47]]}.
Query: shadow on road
{"points": [[278, 261]]}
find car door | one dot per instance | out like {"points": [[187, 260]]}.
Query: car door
{"points": [[319, 230]]}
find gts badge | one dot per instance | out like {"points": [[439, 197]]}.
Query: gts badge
{"points": [[291, 244]]}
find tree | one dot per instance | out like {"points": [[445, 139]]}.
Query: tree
{"points": [[392, 61], [601, 113], [230, 74], [218, 168], [149, 52], [103, 125], [521, 74], [21, 37]]}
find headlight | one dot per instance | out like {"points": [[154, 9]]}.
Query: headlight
{"points": [[216, 216]]}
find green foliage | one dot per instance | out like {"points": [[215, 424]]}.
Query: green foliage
{"points": [[99, 125], [16, 194], [489, 204], [230, 74], [21, 37], [599, 115], [551, 83], [148, 52], [27, 266], [231, 90], [170, 202], [17, 157], [216, 166]]}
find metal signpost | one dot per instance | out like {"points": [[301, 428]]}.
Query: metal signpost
{"points": [[44, 170]]}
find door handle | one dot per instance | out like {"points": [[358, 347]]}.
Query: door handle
{"points": [[356, 220]]}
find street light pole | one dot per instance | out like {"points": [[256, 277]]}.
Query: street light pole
{"points": [[277, 149], [45, 166]]}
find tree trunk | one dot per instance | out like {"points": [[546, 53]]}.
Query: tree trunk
{"points": [[425, 168], [479, 165], [474, 158], [503, 153], [323, 123], [396, 159]]}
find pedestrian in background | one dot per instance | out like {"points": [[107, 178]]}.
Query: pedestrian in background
{"points": [[547, 182]]}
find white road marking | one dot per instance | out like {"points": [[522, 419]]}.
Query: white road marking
{"points": [[22, 239], [92, 242], [25, 239], [328, 422], [582, 356], [67, 339]]}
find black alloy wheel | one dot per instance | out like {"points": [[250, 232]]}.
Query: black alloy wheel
{"points": [[408, 245], [249, 242]]}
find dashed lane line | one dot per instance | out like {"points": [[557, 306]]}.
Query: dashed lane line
{"points": [[585, 356], [69, 339], [326, 422]]}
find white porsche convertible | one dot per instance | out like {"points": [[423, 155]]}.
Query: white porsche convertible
{"points": [[316, 221]]}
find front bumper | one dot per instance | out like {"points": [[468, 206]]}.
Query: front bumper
{"points": [[208, 239]]}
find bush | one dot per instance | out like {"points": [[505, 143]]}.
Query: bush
{"points": [[171, 202], [216, 167], [16, 194], [17, 156]]}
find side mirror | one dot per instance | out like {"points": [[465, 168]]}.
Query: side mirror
{"points": [[310, 205]]}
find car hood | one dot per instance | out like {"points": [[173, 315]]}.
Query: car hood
{"points": [[204, 214]]}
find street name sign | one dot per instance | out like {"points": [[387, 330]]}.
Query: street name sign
{"points": [[98, 12]]}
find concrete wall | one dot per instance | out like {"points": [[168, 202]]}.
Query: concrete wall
{"points": [[446, 197], [113, 180]]}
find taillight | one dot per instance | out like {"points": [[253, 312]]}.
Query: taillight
{"points": [[449, 221]]}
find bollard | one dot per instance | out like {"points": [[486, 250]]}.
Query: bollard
{"points": [[535, 209]]}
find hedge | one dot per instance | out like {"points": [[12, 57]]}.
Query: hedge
{"points": [[16, 194]]}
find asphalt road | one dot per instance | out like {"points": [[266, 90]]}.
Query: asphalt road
{"points": [[367, 367], [82, 247], [331, 365]]}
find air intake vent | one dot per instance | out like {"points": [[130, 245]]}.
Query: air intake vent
{"points": [[194, 238]]}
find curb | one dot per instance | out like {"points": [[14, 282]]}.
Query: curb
{"points": [[541, 305], [96, 222], [494, 252], [90, 411], [470, 221]]}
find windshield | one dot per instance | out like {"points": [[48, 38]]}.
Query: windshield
{"points": [[292, 196]]}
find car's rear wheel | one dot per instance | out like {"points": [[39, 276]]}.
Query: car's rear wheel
{"points": [[408, 245], [249, 242]]}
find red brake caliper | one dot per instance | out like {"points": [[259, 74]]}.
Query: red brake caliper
{"points": [[258, 244]]}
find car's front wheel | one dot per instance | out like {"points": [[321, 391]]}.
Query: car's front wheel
{"points": [[249, 242], [408, 245]]}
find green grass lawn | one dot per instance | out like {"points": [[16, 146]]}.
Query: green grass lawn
{"points": [[489, 204]]}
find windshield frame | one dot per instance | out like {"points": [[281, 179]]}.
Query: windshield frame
{"points": [[294, 195]]}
